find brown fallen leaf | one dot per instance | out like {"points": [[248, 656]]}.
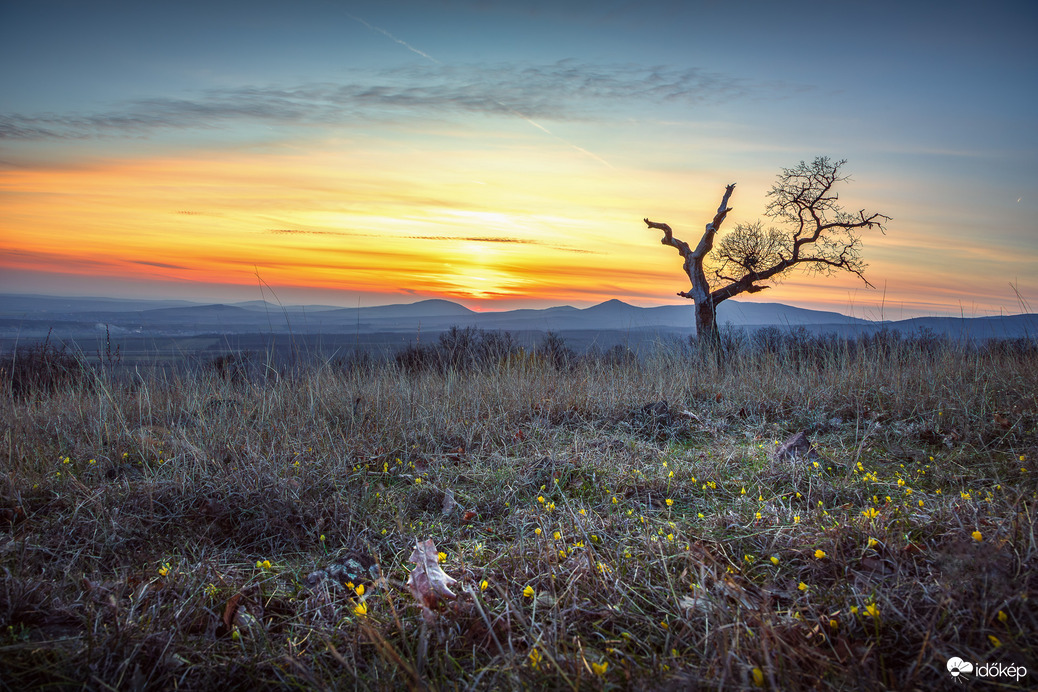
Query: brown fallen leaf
{"points": [[229, 611], [12, 515], [428, 582]]}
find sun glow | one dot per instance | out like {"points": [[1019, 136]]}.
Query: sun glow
{"points": [[326, 220]]}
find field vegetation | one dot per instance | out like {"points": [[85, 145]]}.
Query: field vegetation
{"points": [[611, 522]]}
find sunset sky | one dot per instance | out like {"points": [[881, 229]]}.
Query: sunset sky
{"points": [[503, 154]]}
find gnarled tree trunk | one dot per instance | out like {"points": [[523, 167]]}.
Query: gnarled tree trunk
{"points": [[706, 306]]}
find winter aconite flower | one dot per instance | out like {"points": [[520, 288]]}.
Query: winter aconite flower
{"points": [[528, 591], [977, 536], [872, 610], [600, 668], [819, 553], [802, 586], [669, 502], [360, 609]]}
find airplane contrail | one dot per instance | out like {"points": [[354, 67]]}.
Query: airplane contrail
{"points": [[391, 37], [511, 110]]}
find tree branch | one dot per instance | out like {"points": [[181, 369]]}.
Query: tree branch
{"points": [[706, 243], [693, 264]]}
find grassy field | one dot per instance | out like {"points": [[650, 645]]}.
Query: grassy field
{"points": [[621, 525]]}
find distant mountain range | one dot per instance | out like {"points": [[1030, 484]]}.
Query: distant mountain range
{"points": [[29, 316]]}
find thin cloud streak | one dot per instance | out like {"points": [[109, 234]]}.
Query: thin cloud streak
{"points": [[160, 265], [563, 91], [453, 238]]}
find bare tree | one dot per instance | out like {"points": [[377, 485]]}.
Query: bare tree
{"points": [[818, 237]]}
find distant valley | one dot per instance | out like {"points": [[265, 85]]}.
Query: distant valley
{"points": [[154, 326]]}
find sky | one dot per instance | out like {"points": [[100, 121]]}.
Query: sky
{"points": [[503, 154]]}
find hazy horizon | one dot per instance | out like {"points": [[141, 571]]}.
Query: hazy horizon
{"points": [[887, 313]]}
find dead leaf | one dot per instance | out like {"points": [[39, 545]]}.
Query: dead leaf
{"points": [[12, 515], [912, 549], [468, 516], [428, 582], [875, 564], [1002, 421], [448, 503], [229, 612]]}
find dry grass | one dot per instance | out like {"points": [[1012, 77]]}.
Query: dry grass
{"points": [[168, 533]]}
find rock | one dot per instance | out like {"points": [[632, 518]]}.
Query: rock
{"points": [[349, 571], [797, 447], [657, 413]]}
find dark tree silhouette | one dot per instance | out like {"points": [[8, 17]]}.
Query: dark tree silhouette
{"points": [[818, 236]]}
